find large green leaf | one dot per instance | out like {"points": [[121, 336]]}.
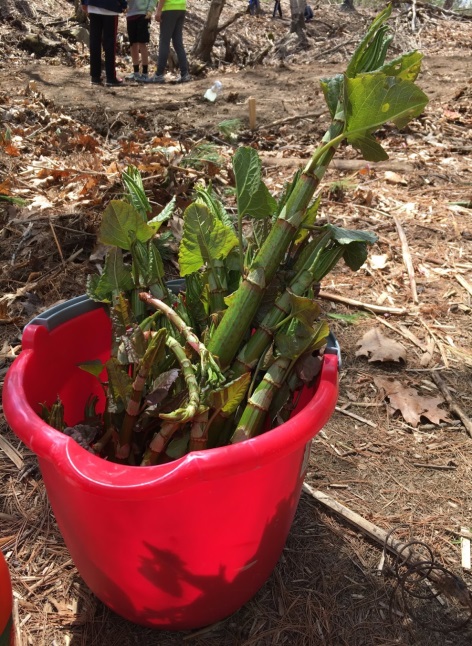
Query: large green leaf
{"points": [[163, 216], [333, 91], [346, 236], [354, 63], [374, 99], [119, 385], [228, 398], [121, 223], [406, 67], [156, 266], [254, 199], [116, 277], [205, 239], [355, 255], [205, 193], [370, 148], [135, 191], [304, 309]]}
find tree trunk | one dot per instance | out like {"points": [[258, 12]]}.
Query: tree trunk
{"points": [[297, 24], [348, 5], [448, 4], [205, 41], [80, 15]]}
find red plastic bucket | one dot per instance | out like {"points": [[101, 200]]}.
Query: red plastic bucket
{"points": [[6, 605], [175, 546]]}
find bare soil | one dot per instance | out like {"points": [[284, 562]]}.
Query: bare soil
{"points": [[414, 480]]}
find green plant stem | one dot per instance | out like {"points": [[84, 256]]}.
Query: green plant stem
{"points": [[188, 412], [255, 413], [238, 317], [206, 358], [263, 336], [199, 432], [159, 443]]}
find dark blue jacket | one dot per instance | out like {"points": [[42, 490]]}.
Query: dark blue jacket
{"points": [[112, 5]]}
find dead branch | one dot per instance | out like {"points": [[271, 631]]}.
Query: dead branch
{"points": [[230, 21], [455, 408], [407, 261], [378, 309]]}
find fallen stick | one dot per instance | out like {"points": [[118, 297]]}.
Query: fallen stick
{"points": [[460, 279], [455, 408], [310, 115], [377, 309], [405, 333], [354, 416], [365, 526], [408, 262], [401, 550]]}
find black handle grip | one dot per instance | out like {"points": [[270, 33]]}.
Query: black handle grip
{"points": [[333, 347], [59, 314]]}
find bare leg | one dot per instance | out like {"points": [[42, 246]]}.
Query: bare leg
{"points": [[134, 49], [144, 53]]}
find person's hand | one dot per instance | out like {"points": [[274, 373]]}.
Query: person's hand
{"points": [[85, 8], [158, 15], [149, 15]]}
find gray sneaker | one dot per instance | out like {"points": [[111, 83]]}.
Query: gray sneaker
{"points": [[134, 76], [156, 78], [183, 78]]}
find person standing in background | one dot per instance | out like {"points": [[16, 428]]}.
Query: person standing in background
{"points": [[103, 15], [138, 20], [170, 14]]}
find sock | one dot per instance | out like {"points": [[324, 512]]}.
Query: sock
{"points": [[136, 69], [145, 69]]}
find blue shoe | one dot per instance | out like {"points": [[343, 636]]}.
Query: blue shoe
{"points": [[156, 78]]}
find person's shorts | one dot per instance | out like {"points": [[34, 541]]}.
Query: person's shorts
{"points": [[138, 29]]}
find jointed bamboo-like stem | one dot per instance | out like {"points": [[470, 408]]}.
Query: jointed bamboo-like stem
{"points": [[198, 432], [206, 358], [134, 402], [158, 443], [261, 339], [218, 286], [255, 413], [238, 317], [184, 414]]}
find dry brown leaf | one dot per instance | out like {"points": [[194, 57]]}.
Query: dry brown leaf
{"points": [[378, 347], [410, 403], [394, 178]]}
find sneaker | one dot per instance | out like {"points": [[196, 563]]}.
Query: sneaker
{"points": [[134, 76], [114, 82], [96, 80], [144, 78], [183, 78], [156, 78]]}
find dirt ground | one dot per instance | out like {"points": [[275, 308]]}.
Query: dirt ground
{"points": [[414, 480]]}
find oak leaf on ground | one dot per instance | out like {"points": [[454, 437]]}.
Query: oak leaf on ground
{"points": [[410, 403], [378, 347]]}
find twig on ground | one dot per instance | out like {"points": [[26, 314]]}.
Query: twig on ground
{"points": [[279, 122], [377, 309], [440, 467], [354, 416], [11, 452], [404, 332], [59, 248], [455, 408], [460, 279], [438, 342], [408, 262], [335, 49]]}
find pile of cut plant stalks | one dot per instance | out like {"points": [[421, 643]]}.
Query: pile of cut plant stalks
{"points": [[222, 357]]}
